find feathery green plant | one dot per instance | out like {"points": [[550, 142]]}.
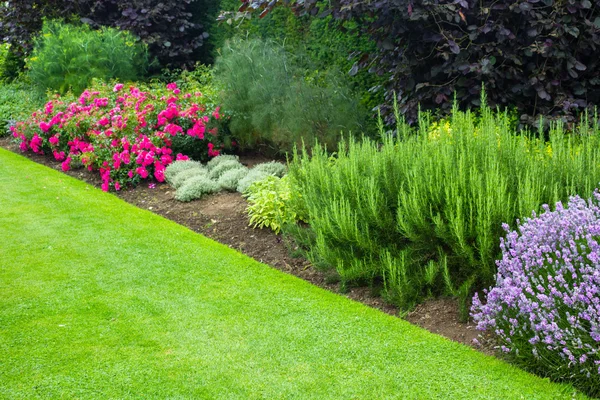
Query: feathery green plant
{"points": [[421, 212], [68, 57], [272, 103]]}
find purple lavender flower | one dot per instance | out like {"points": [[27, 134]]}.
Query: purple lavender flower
{"points": [[545, 307]]}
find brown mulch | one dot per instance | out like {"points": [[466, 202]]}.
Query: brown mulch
{"points": [[222, 218]]}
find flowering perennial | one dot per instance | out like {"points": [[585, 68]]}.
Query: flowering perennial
{"points": [[545, 307], [125, 134]]}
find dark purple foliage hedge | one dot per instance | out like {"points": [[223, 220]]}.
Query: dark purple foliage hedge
{"points": [[538, 55], [171, 28]]}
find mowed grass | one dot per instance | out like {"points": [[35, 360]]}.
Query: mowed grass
{"points": [[99, 299]]}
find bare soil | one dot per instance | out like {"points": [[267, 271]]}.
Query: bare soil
{"points": [[222, 217]]}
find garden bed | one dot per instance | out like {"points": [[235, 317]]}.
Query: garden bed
{"points": [[222, 217]]}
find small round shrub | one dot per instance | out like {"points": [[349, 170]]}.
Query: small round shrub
{"points": [[221, 168], [196, 187], [180, 179], [271, 168], [178, 166], [271, 204], [230, 179], [219, 159], [545, 307]]}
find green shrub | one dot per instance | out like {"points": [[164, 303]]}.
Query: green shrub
{"points": [[423, 213], [17, 102], [179, 166], [216, 172], [68, 57], [271, 204], [321, 44], [230, 179], [274, 107], [196, 187], [181, 178]]}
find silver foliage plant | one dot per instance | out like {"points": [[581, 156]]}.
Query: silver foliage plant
{"points": [[225, 172]]}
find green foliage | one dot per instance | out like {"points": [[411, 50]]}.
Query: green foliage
{"points": [[176, 167], [279, 112], [260, 172], [423, 212], [271, 204], [17, 102], [230, 179], [68, 57], [195, 187]]}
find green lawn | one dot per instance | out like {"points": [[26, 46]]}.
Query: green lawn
{"points": [[99, 299]]}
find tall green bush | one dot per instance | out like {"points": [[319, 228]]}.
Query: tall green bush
{"points": [[321, 44], [422, 213], [274, 106], [68, 57]]}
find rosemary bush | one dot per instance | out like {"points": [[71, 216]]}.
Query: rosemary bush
{"points": [[422, 212]]}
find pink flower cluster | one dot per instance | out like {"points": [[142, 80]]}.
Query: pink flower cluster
{"points": [[126, 135]]}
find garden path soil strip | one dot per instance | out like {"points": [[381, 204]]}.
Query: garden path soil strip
{"points": [[222, 218]]}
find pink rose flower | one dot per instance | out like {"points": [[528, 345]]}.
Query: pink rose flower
{"points": [[45, 127], [66, 165], [141, 171]]}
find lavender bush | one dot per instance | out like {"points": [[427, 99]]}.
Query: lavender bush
{"points": [[545, 307]]}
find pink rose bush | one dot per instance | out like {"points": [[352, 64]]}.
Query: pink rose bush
{"points": [[124, 134]]}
